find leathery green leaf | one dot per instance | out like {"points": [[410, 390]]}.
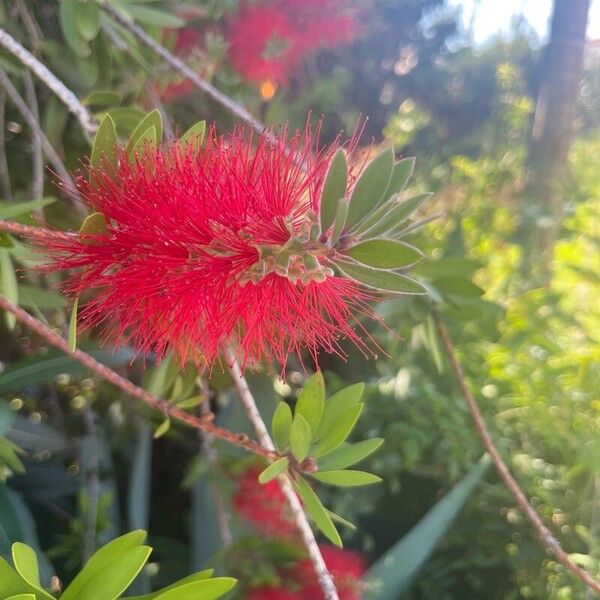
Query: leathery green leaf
{"points": [[311, 400], [318, 512]]}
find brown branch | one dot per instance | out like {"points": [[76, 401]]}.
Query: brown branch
{"points": [[133, 390], [202, 84], [549, 541], [33, 233]]}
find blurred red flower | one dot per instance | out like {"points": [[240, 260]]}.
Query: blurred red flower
{"points": [[201, 250]]}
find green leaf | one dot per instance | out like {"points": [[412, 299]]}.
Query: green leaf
{"points": [[459, 286], [154, 16], [193, 138], [18, 209], [347, 455], [73, 326], [370, 187], [401, 174], [394, 572], [163, 428], [281, 424], [113, 577], [104, 147], [338, 430], [385, 254], [103, 98], [93, 225], [26, 564], [31, 296], [40, 369], [146, 140], [385, 281], [88, 19], [311, 400], [300, 437], [153, 118], [200, 576], [318, 512], [337, 519], [337, 404], [8, 285], [210, 589], [68, 14], [334, 188], [273, 470], [339, 222], [22, 597], [9, 456], [346, 478], [115, 551]]}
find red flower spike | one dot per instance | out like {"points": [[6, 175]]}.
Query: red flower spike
{"points": [[207, 249]]}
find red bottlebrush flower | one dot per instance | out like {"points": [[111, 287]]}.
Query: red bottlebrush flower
{"points": [[346, 567], [263, 506], [212, 248]]}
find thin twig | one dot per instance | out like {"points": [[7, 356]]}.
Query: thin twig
{"points": [[33, 233], [5, 185], [37, 157], [202, 84], [549, 541], [48, 78], [34, 125], [131, 389], [308, 537]]}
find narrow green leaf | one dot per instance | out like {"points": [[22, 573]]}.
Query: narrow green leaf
{"points": [[300, 437], [338, 430], [337, 519], [114, 577], [8, 285], [117, 550], [394, 217], [154, 16], [104, 147], [339, 222], [273, 470], [401, 174], [146, 140], [346, 478], [88, 19], [163, 428], [26, 564], [18, 209], [70, 28], [22, 597], [394, 572], [9, 456], [370, 187], [93, 225], [385, 281], [31, 296], [334, 188], [461, 286], [432, 342], [311, 400], [209, 589], [194, 577], [281, 424], [73, 326], [337, 404], [347, 455], [153, 118], [103, 98], [385, 254], [193, 138], [318, 512]]}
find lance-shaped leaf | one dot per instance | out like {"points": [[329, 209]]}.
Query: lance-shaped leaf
{"points": [[318, 512], [18, 209], [401, 174], [339, 222], [87, 16], [209, 589], [281, 425], [93, 225], [338, 430], [336, 405], [152, 119], [346, 478], [312, 400], [193, 138], [8, 285], [349, 454], [385, 281], [73, 325], [385, 254], [300, 437], [274, 470], [370, 187], [104, 148], [334, 188]]}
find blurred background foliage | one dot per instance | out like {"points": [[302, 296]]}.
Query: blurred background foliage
{"points": [[526, 319]]}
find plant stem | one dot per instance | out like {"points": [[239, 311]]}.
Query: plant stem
{"points": [[308, 537], [549, 541], [48, 78], [163, 406]]}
